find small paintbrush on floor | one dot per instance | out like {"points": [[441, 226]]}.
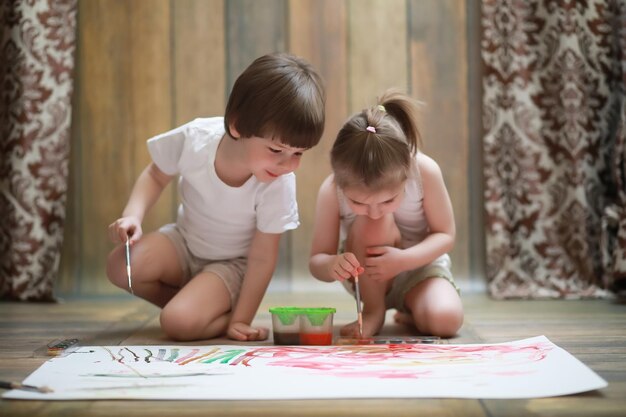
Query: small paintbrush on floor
{"points": [[19, 385]]}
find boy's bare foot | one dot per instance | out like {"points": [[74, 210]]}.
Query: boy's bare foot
{"points": [[403, 318], [372, 323]]}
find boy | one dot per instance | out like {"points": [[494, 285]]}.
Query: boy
{"points": [[210, 270]]}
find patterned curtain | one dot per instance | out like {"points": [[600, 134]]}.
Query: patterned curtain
{"points": [[554, 86], [37, 41]]}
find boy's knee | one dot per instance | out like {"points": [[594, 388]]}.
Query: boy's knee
{"points": [[178, 323], [116, 267]]}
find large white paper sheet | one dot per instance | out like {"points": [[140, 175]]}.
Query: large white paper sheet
{"points": [[527, 368]]}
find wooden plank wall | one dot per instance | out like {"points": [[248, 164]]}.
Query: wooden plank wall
{"points": [[146, 66]]}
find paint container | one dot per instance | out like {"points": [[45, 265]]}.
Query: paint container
{"points": [[286, 325], [302, 326], [316, 326]]}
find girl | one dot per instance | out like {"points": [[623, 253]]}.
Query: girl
{"points": [[387, 210]]}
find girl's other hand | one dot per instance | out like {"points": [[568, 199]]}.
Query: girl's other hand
{"points": [[383, 262], [125, 228], [345, 266]]}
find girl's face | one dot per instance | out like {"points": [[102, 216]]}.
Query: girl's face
{"points": [[375, 204]]}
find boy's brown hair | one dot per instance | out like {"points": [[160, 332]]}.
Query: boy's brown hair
{"points": [[375, 147], [279, 96]]}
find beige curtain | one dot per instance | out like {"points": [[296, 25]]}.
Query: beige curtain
{"points": [[36, 68], [554, 115]]}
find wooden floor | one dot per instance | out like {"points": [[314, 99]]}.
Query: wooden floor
{"points": [[593, 330]]}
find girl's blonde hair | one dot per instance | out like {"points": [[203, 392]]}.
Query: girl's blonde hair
{"points": [[374, 148]]}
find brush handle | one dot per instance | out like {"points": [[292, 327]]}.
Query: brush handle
{"points": [[357, 291], [6, 385], [127, 252], [17, 385], [130, 280]]}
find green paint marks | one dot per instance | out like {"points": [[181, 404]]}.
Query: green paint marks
{"points": [[173, 355], [226, 356]]}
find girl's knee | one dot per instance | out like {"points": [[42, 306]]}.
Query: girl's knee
{"points": [[368, 232], [441, 320], [436, 307], [384, 227]]}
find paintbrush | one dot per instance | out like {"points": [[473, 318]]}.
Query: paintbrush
{"points": [[358, 305], [130, 281], [18, 385]]}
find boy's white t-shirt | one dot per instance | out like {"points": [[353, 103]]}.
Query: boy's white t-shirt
{"points": [[219, 221]]}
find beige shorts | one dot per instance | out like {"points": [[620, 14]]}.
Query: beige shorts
{"points": [[404, 282], [230, 271]]}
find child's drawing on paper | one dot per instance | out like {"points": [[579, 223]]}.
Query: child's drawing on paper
{"points": [[527, 368]]}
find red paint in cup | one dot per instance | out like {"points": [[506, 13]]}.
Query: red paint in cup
{"points": [[316, 339]]}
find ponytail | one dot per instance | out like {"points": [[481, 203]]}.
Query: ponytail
{"points": [[404, 110], [374, 148]]}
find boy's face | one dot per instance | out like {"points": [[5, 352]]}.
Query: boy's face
{"points": [[269, 159], [374, 204]]}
